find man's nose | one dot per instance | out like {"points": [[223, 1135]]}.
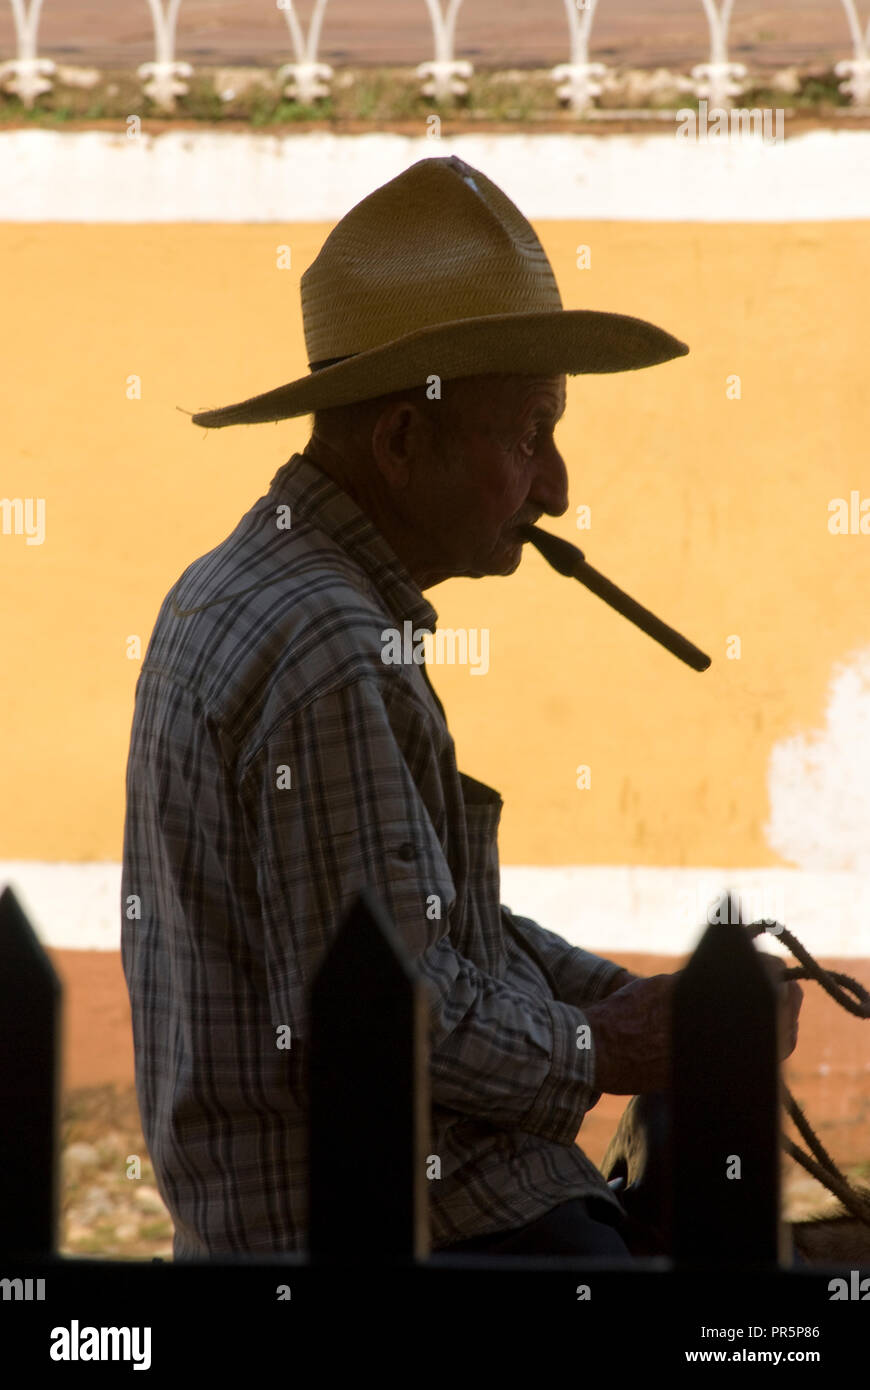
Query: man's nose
{"points": [[551, 484]]}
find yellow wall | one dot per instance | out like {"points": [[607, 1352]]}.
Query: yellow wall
{"points": [[711, 511]]}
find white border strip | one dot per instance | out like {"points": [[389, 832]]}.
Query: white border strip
{"points": [[607, 910], [207, 176], [665, 911]]}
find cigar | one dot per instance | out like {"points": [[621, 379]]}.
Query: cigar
{"points": [[569, 560]]}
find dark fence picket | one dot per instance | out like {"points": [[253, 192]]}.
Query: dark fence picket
{"points": [[369, 1095], [726, 1103], [30, 1048], [368, 1082]]}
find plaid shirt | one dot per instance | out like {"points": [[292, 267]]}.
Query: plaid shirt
{"points": [[276, 765]]}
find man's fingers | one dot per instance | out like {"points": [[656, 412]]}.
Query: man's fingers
{"points": [[792, 998], [772, 964]]}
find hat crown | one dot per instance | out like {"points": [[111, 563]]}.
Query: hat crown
{"points": [[437, 244]]}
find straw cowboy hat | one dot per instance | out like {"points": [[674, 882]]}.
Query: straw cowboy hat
{"points": [[438, 273]]}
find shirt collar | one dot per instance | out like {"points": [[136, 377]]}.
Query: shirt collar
{"points": [[314, 497]]}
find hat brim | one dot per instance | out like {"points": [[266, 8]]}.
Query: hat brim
{"points": [[551, 343]]}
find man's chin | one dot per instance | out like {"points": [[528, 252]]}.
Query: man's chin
{"points": [[512, 553], [517, 551], [510, 566]]}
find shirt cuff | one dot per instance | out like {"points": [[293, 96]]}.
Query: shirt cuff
{"points": [[568, 1090]]}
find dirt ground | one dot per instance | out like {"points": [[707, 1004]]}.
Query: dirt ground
{"points": [[504, 33], [104, 1212]]}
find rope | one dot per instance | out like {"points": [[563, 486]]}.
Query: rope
{"points": [[830, 980], [835, 1182], [841, 988]]}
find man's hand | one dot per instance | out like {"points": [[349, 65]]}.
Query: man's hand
{"points": [[791, 997], [631, 1035], [631, 1030], [619, 981]]}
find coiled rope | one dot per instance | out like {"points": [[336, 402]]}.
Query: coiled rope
{"points": [[852, 996]]}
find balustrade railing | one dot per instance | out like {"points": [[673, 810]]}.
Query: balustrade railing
{"points": [[718, 80]]}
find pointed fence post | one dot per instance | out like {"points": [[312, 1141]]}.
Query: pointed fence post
{"points": [[726, 1103], [30, 1022], [369, 1095]]}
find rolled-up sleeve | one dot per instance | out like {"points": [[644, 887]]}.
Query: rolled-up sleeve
{"points": [[345, 793]]}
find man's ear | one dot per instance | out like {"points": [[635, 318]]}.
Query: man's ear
{"points": [[399, 437]]}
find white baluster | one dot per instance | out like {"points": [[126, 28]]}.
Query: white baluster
{"points": [[25, 75], [718, 80], [164, 73], [444, 75], [309, 79], [580, 77], [857, 69]]}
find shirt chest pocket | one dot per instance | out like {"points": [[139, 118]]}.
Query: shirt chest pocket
{"points": [[482, 931]]}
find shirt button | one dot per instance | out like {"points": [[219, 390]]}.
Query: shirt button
{"points": [[407, 850]]}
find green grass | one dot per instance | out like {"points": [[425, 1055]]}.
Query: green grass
{"points": [[816, 91]]}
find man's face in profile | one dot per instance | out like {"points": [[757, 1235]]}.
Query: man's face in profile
{"points": [[494, 467]]}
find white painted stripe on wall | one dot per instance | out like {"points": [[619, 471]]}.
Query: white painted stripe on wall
{"points": [[70, 906], [665, 910], [209, 176], [605, 909]]}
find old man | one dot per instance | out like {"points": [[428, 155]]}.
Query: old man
{"points": [[278, 763]]}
